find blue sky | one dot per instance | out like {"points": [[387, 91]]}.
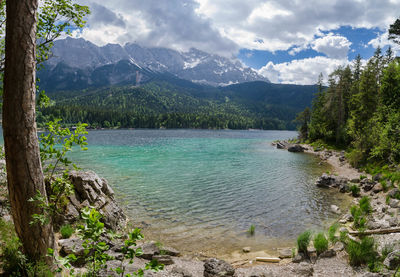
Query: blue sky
{"points": [[359, 38], [287, 41]]}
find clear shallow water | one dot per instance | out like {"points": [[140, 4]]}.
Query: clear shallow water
{"points": [[200, 190]]}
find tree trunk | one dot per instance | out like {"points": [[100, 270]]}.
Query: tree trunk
{"points": [[24, 170]]}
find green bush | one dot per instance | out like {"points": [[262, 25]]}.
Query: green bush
{"points": [[332, 231], [320, 243], [66, 231], [355, 190], [303, 240], [363, 252], [365, 205]]}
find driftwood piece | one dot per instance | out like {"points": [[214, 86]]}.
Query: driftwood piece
{"points": [[376, 232], [268, 259]]}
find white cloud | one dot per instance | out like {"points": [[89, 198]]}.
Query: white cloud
{"points": [[382, 41], [334, 46], [301, 72], [224, 26]]}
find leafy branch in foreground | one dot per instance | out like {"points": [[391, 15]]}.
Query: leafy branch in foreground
{"points": [[54, 146]]}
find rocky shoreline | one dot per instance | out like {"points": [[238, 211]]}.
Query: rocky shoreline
{"points": [[383, 223]]}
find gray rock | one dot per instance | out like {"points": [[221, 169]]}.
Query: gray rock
{"points": [[377, 188], [343, 188], [394, 192], [217, 268], [298, 258], [71, 246], [149, 250], [296, 148], [163, 259], [372, 225], [284, 253], [304, 269], [394, 203], [115, 255], [367, 184], [392, 260], [328, 253], [355, 180], [335, 209], [246, 249], [91, 190], [327, 181], [393, 222], [170, 251], [181, 272], [339, 246]]}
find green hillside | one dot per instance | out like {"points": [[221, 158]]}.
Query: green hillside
{"points": [[169, 102]]}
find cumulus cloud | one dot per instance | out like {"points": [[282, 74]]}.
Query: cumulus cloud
{"points": [[382, 40], [225, 26], [172, 24], [334, 46], [282, 24], [301, 72]]}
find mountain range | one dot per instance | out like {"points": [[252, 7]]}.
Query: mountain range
{"points": [[78, 64]]}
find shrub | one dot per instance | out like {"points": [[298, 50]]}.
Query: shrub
{"points": [[320, 243], [303, 240], [332, 231], [365, 205], [355, 190], [66, 231], [362, 252]]}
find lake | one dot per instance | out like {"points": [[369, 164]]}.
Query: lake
{"points": [[201, 190]]}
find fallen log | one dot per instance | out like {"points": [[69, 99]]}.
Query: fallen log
{"points": [[376, 232]]}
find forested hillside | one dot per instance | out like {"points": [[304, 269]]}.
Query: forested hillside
{"points": [[170, 102], [360, 110]]}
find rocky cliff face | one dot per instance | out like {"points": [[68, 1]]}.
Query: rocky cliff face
{"points": [[76, 63]]}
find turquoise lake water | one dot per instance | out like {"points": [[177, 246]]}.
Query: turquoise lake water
{"points": [[200, 190]]}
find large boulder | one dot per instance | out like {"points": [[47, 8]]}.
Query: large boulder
{"points": [[91, 190], [217, 268], [296, 148], [327, 181]]}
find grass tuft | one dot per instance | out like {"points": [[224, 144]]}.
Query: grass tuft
{"points": [[303, 240], [320, 243]]}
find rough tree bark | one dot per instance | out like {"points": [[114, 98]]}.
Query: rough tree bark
{"points": [[24, 169]]}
